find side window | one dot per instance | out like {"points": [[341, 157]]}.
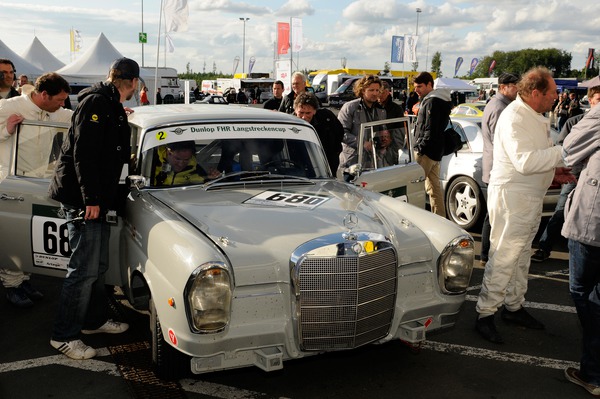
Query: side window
{"points": [[38, 148], [459, 129], [385, 143]]}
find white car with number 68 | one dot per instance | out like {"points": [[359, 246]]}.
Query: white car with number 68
{"points": [[264, 259]]}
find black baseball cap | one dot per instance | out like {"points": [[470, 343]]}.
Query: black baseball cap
{"points": [[128, 68], [507, 78]]}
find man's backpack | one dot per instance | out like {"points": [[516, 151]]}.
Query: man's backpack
{"points": [[452, 140]]}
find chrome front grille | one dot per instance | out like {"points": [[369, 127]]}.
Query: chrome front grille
{"points": [[345, 300]]}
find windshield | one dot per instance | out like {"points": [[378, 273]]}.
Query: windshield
{"points": [[344, 86], [198, 161]]}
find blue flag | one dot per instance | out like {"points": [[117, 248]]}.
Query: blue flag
{"points": [[397, 49]]}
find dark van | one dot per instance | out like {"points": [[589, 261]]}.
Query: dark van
{"points": [[345, 92]]}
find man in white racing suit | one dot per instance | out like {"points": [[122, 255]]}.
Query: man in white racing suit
{"points": [[523, 168]]}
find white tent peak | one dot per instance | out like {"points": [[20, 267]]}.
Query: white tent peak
{"points": [[452, 84], [38, 55], [96, 61], [22, 66]]}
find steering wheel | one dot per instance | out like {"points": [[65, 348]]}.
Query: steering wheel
{"points": [[283, 163]]}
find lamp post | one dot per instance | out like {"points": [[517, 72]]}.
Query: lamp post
{"points": [[416, 64], [244, 46]]}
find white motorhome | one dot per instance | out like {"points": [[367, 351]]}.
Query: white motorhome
{"points": [[210, 86], [486, 84], [325, 84], [168, 81]]}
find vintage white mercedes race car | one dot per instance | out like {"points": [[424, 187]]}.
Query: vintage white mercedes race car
{"points": [[257, 255]]}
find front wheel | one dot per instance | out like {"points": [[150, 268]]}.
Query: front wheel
{"points": [[465, 205], [168, 362]]}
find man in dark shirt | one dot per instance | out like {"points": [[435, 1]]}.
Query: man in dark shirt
{"points": [[432, 119], [275, 102], [7, 79]]}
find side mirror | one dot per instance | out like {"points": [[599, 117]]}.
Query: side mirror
{"points": [[136, 181], [355, 170]]}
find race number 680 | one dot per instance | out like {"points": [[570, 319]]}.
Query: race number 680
{"points": [[296, 199]]}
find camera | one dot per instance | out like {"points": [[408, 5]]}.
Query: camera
{"points": [[377, 141]]}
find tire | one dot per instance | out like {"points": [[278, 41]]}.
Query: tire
{"points": [[465, 205], [168, 362]]}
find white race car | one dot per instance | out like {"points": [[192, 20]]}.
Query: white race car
{"points": [[266, 257]]}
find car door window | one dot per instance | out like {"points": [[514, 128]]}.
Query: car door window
{"points": [[459, 129], [37, 148], [384, 144]]}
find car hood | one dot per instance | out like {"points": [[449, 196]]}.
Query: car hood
{"points": [[254, 232]]}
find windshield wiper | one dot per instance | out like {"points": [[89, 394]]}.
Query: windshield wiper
{"points": [[253, 176]]}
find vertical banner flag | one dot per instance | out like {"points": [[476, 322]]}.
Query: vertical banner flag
{"points": [[410, 48], [236, 62], [474, 63], [283, 37], [492, 66], [176, 19], [75, 40], [459, 62], [590, 60], [296, 34], [397, 49], [282, 72], [176, 15], [251, 64]]}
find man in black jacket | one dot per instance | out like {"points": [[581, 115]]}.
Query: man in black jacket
{"points": [[275, 102], [328, 127], [432, 119], [86, 183]]}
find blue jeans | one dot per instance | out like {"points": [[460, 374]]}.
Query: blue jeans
{"points": [[552, 231], [584, 285], [83, 300]]}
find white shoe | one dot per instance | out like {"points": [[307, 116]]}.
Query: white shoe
{"points": [[110, 327], [74, 349]]}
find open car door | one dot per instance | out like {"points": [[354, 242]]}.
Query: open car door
{"points": [[34, 237], [386, 161]]}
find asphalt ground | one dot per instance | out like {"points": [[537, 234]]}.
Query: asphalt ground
{"points": [[452, 363]]}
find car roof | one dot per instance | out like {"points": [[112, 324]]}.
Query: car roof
{"points": [[155, 115]]}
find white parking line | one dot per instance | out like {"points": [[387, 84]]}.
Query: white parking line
{"points": [[227, 392], [218, 390], [535, 361], [97, 366], [536, 305]]}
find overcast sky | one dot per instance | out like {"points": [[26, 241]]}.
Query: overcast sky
{"points": [[359, 31]]}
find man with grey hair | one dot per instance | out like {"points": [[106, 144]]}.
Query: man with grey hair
{"points": [[524, 160], [298, 87]]}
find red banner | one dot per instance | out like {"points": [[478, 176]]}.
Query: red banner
{"points": [[492, 66], [283, 37], [590, 60]]}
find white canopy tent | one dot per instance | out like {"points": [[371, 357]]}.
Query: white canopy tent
{"points": [[452, 84], [93, 65], [38, 55], [21, 65]]}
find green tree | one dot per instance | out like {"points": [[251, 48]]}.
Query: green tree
{"points": [[436, 64], [518, 62]]}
